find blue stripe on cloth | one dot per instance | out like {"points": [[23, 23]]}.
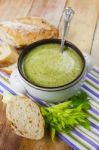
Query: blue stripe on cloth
{"points": [[32, 97], [1, 91], [91, 91], [94, 69], [91, 95], [67, 141], [5, 74], [7, 88], [38, 100], [93, 79], [86, 139], [94, 125], [94, 111]]}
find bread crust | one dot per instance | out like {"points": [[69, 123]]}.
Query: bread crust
{"points": [[25, 31], [8, 70], [9, 58]]}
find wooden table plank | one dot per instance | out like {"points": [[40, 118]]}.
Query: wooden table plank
{"points": [[95, 46], [83, 24], [44, 144], [51, 10], [12, 9]]}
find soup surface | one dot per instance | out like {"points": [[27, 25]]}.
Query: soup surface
{"points": [[45, 66]]}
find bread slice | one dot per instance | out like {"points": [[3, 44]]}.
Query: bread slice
{"points": [[8, 70], [24, 117], [25, 31], [8, 55]]}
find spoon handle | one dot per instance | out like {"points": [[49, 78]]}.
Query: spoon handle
{"points": [[67, 16]]}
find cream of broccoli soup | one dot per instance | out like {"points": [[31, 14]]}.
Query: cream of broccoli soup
{"points": [[45, 66]]}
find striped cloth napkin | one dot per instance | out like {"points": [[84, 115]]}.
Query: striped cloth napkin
{"points": [[79, 138]]}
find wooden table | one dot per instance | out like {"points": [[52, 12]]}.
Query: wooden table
{"points": [[84, 32], [84, 28]]}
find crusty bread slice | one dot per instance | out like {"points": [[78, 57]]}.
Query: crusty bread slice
{"points": [[8, 70], [24, 117], [8, 55], [20, 33]]}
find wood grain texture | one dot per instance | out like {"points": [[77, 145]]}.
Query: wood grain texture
{"points": [[82, 26], [44, 144], [11, 9], [51, 10], [8, 140], [95, 46]]}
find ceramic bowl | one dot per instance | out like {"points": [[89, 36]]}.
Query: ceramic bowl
{"points": [[57, 94]]}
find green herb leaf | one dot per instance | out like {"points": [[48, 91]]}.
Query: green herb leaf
{"points": [[52, 133], [65, 116]]}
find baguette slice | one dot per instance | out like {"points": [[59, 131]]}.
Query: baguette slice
{"points": [[20, 33], [8, 55], [24, 116]]}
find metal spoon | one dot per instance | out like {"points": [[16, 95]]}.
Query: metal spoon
{"points": [[67, 16]]}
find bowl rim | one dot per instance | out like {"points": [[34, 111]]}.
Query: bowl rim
{"points": [[47, 41]]}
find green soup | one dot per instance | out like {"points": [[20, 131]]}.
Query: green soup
{"points": [[45, 66]]}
